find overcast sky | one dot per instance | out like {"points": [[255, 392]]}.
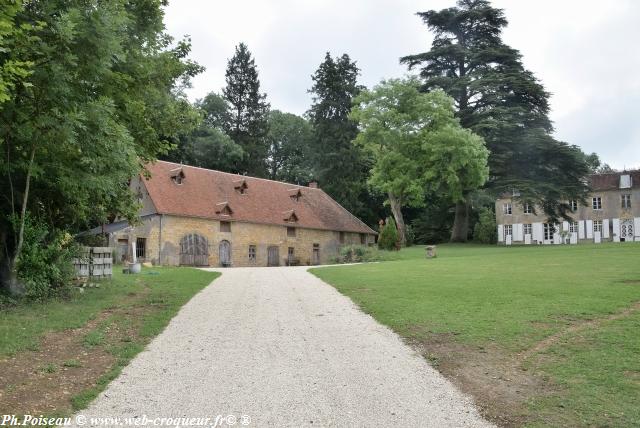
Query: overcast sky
{"points": [[586, 53]]}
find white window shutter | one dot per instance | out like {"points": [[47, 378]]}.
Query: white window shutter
{"points": [[636, 227], [605, 228], [537, 232], [565, 226], [589, 229], [616, 229], [581, 233], [517, 232], [500, 233]]}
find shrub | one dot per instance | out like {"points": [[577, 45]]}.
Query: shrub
{"points": [[45, 263], [388, 238], [485, 229], [357, 254]]}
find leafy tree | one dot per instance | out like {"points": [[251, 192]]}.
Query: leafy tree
{"points": [[208, 146], [289, 137], [501, 101], [339, 166], [417, 143], [388, 239], [247, 122], [485, 230], [13, 69], [102, 98], [596, 166]]}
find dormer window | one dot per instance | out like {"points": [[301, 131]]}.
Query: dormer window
{"points": [[290, 216], [625, 181], [295, 194], [177, 176], [241, 186], [223, 208]]}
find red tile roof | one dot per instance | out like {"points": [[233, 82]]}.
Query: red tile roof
{"points": [[204, 192]]}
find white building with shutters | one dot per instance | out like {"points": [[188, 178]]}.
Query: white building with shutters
{"points": [[612, 214]]}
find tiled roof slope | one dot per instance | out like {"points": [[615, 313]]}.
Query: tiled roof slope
{"points": [[203, 192], [611, 180]]}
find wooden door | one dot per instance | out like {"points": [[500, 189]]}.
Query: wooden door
{"points": [[225, 253], [273, 256], [194, 250]]}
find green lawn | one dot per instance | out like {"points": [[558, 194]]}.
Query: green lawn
{"points": [[115, 320], [509, 299]]}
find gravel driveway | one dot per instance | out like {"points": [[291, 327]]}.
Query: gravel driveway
{"points": [[286, 349]]}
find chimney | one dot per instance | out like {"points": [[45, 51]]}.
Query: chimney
{"points": [[313, 184]]}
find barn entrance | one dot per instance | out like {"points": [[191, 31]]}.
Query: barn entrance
{"points": [[225, 253], [273, 256], [194, 250]]}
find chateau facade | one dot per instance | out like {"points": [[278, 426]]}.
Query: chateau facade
{"points": [[612, 214]]}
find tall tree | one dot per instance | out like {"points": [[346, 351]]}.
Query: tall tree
{"points": [[340, 167], [104, 96], [247, 123], [500, 100], [417, 144], [289, 137], [208, 146]]}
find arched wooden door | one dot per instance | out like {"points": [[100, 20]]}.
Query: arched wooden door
{"points": [[194, 250], [225, 253]]}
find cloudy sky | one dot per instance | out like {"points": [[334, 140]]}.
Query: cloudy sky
{"points": [[586, 53]]}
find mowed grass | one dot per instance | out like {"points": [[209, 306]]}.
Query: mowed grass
{"points": [[512, 298], [22, 327]]}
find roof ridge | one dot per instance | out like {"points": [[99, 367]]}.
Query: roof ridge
{"points": [[237, 175]]}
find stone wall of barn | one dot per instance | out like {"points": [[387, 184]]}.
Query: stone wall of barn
{"points": [[163, 235]]}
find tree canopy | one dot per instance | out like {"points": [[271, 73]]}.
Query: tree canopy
{"points": [[500, 100], [340, 167], [289, 138], [101, 98], [246, 122], [417, 145]]}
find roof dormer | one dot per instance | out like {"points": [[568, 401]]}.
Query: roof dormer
{"points": [[241, 186], [177, 175], [290, 216], [224, 209], [625, 181], [295, 194]]}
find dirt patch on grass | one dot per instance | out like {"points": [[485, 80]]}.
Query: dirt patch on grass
{"points": [[575, 328], [43, 381], [499, 385], [501, 382]]}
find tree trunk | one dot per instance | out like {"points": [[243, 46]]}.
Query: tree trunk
{"points": [[396, 210], [460, 228]]}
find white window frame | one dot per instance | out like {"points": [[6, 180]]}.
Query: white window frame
{"points": [[573, 227], [528, 228], [597, 226], [507, 209], [527, 208], [548, 230], [573, 205], [508, 230], [626, 200], [596, 203]]}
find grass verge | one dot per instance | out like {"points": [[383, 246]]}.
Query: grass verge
{"points": [[56, 357]]}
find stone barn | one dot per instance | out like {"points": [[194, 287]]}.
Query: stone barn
{"points": [[198, 217]]}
